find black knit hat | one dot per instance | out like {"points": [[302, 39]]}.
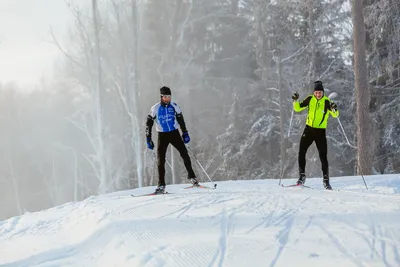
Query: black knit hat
{"points": [[165, 90], [318, 86]]}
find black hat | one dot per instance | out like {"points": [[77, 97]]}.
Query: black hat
{"points": [[318, 86], [165, 90]]}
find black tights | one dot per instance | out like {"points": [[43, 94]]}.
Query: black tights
{"points": [[309, 136], [173, 138]]}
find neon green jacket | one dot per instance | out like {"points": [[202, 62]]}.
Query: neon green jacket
{"points": [[318, 111]]}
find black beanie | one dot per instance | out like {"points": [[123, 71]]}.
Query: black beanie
{"points": [[318, 86], [165, 90]]}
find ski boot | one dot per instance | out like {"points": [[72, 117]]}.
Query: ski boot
{"points": [[302, 179], [194, 181], [327, 186], [160, 190]]}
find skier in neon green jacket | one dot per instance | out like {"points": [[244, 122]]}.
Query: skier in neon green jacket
{"points": [[319, 108]]}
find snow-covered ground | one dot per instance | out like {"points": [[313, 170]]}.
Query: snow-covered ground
{"points": [[241, 223]]}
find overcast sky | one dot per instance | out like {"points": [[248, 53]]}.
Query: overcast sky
{"points": [[25, 51]]}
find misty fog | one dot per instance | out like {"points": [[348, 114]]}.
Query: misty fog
{"points": [[232, 67]]}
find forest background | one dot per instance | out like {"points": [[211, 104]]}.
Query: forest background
{"points": [[232, 67]]}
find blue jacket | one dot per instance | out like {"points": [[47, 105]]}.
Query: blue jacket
{"points": [[167, 117]]}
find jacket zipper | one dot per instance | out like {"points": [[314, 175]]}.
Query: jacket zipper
{"points": [[315, 111], [166, 118], [323, 116]]}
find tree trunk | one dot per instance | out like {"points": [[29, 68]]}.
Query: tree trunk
{"points": [[15, 187], [281, 117], [105, 185], [364, 156], [175, 169], [312, 40], [137, 138]]}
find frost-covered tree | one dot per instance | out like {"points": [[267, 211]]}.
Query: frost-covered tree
{"points": [[382, 20]]}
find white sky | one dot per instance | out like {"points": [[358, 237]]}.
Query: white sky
{"points": [[25, 51], [241, 223]]}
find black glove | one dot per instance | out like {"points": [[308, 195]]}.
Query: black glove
{"points": [[295, 96], [150, 143], [333, 106]]}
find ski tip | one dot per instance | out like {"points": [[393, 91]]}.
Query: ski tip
{"points": [[201, 186], [295, 185], [151, 194]]}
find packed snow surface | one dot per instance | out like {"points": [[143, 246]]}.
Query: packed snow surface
{"points": [[241, 223]]}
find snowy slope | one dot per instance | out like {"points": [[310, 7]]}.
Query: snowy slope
{"points": [[241, 223]]}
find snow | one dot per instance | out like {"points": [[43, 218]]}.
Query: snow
{"points": [[241, 223]]}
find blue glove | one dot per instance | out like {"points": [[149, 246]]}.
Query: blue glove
{"points": [[150, 143], [185, 137]]}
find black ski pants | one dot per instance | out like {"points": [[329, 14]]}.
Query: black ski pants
{"points": [[173, 138], [309, 136]]}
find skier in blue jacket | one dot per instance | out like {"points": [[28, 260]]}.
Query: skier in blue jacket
{"points": [[168, 116]]}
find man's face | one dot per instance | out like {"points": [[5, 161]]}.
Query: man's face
{"points": [[166, 99], [318, 94]]}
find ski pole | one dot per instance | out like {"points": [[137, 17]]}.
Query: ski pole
{"points": [[362, 176], [290, 126], [169, 164], [291, 119], [288, 135], [290, 123], [198, 162], [333, 95], [347, 140]]}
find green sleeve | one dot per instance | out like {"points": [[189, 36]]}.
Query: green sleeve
{"points": [[300, 106], [296, 106]]}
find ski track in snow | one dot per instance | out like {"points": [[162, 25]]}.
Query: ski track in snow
{"points": [[286, 219], [241, 223], [338, 244]]}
